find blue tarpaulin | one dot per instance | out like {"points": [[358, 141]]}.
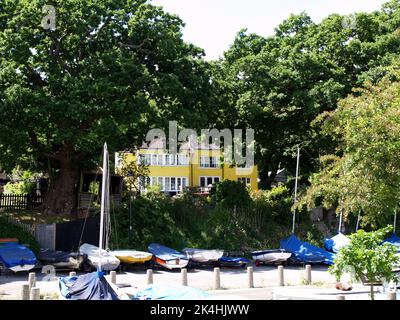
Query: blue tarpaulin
{"points": [[165, 253], [169, 292], [233, 261], [335, 243], [91, 286], [395, 240], [305, 252], [13, 254]]}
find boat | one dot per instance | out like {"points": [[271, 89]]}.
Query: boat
{"points": [[226, 261], [270, 256], [16, 257], [337, 242], [304, 252], [394, 240], [61, 259], [132, 256], [203, 255], [167, 257], [94, 285], [99, 257]]}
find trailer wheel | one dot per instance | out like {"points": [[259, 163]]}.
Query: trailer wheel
{"points": [[257, 263]]}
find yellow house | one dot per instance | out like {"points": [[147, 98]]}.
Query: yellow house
{"points": [[196, 165]]}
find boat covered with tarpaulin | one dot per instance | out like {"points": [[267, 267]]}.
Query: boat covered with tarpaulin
{"points": [[167, 257], [337, 242], [15, 256], [61, 259], [90, 286], [394, 240], [226, 261], [304, 252]]}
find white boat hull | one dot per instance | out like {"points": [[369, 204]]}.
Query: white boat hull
{"points": [[202, 255], [25, 267], [272, 257], [99, 257], [172, 264]]}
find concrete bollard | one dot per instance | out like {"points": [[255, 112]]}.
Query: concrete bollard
{"points": [[281, 279], [340, 297], [392, 295], [25, 292], [113, 276], [217, 278], [308, 274], [149, 274], [35, 294], [31, 280], [250, 277], [184, 277], [72, 274]]}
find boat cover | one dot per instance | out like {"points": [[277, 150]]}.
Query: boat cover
{"points": [[306, 252], [234, 260], [13, 254], [49, 255], [90, 286], [165, 253], [169, 292], [395, 240], [335, 243]]}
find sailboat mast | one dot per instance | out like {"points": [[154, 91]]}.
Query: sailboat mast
{"points": [[340, 221], [104, 191], [295, 187], [394, 222], [358, 220]]}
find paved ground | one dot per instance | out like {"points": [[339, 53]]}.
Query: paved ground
{"points": [[233, 281]]}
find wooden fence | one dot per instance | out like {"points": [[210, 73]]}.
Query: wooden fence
{"points": [[20, 202]]}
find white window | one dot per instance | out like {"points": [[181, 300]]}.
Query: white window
{"points": [[118, 160], [154, 159], [167, 183], [206, 181], [160, 161], [208, 162], [245, 180], [160, 182], [173, 182], [147, 159]]}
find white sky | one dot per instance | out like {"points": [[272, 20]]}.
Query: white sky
{"points": [[213, 24]]}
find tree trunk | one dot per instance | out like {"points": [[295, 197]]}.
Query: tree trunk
{"points": [[61, 196]]}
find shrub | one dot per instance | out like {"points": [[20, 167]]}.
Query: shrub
{"points": [[367, 258]]}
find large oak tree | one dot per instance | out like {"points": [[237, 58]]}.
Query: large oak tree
{"points": [[110, 71]]}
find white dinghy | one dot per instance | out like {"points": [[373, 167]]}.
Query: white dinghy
{"points": [[203, 255], [99, 258]]}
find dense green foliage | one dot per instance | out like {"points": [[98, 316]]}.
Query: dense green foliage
{"points": [[280, 84], [366, 257], [191, 221], [110, 71], [8, 230], [231, 194], [364, 173]]}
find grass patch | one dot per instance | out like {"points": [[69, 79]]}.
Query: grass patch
{"points": [[35, 216]]}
